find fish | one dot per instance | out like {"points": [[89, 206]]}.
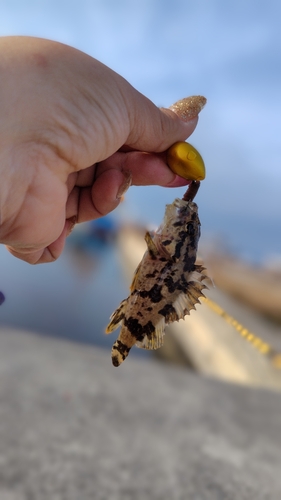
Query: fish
{"points": [[167, 282]]}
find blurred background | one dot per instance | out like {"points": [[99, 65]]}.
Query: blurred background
{"points": [[226, 51]]}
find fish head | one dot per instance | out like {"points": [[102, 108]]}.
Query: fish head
{"points": [[179, 233]]}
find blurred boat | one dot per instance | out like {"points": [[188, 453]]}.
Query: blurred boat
{"points": [[94, 236], [258, 286]]}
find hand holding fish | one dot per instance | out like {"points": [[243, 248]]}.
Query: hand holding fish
{"points": [[74, 135]]}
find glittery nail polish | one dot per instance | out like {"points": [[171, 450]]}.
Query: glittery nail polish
{"points": [[189, 107]]}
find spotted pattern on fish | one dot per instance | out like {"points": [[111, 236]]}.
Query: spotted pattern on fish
{"points": [[167, 283]]}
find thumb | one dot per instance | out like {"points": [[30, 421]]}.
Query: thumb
{"points": [[155, 129]]}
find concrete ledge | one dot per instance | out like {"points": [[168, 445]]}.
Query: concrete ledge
{"points": [[72, 427]]}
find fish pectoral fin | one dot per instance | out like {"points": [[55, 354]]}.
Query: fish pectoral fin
{"points": [[155, 339], [194, 290], [185, 302], [117, 317], [199, 273], [182, 306], [135, 278], [152, 248]]}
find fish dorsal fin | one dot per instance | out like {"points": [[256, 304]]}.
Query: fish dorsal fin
{"points": [[156, 339], [117, 317]]}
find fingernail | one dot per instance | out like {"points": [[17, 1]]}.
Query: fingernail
{"points": [[189, 107], [71, 221], [125, 184]]}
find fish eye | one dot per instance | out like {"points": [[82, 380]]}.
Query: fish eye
{"points": [[190, 229]]}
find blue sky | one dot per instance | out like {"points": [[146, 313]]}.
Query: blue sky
{"points": [[228, 51]]}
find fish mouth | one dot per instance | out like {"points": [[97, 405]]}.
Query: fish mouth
{"points": [[191, 192]]}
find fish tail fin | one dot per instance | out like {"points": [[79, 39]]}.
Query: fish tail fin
{"points": [[119, 352]]}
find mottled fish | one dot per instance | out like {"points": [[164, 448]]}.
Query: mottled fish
{"points": [[167, 283]]}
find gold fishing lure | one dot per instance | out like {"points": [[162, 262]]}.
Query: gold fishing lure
{"points": [[184, 160], [167, 283]]}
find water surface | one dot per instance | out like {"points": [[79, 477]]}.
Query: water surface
{"points": [[71, 298]]}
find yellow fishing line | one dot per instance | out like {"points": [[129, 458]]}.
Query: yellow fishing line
{"points": [[257, 342]]}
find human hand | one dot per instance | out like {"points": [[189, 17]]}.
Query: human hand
{"points": [[72, 135]]}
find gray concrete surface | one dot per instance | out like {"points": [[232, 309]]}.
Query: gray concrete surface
{"points": [[72, 427]]}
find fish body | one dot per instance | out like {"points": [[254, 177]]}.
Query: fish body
{"points": [[166, 285]]}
